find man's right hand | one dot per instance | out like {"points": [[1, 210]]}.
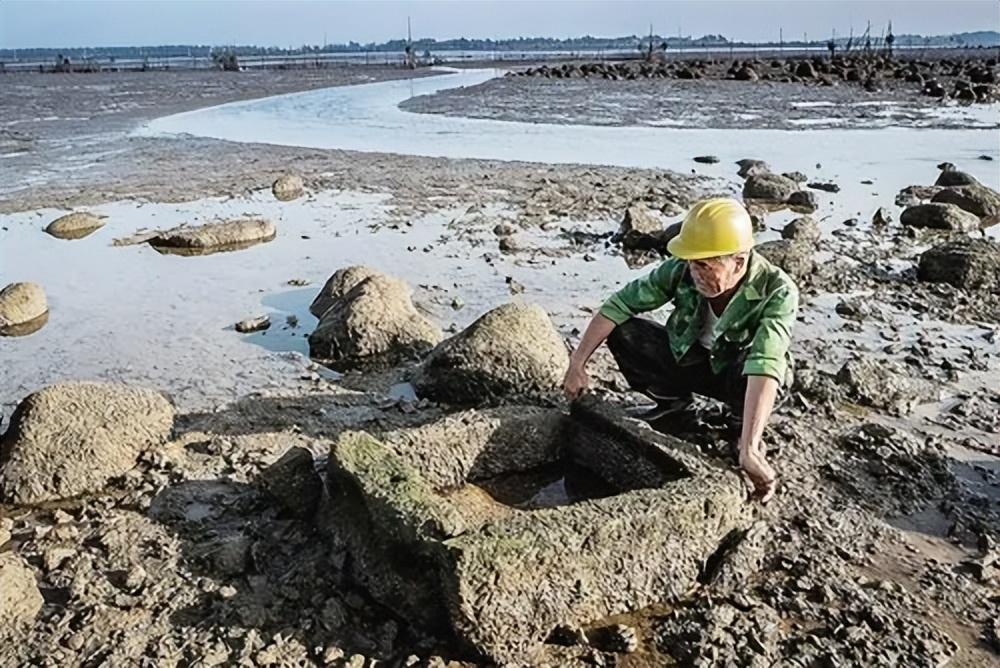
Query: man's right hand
{"points": [[576, 381]]}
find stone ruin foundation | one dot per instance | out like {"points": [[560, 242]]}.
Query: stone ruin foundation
{"points": [[439, 528]]}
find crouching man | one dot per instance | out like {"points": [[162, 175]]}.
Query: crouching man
{"points": [[728, 335]]}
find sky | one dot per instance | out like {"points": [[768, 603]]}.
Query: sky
{"points": [[292, 23]]}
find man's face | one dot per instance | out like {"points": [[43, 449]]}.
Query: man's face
{"points": [[716, 275]]}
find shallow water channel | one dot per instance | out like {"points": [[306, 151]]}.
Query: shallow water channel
{"points": [[132, 314]]}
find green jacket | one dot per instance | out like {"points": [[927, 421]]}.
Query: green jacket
{"points": [[756, 324]]}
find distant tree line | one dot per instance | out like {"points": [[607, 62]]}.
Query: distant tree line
{"points": [[585, 43]]}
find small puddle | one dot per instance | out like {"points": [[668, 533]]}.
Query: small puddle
{"points": [[546, 487]]}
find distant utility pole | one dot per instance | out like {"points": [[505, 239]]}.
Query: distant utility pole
{"points": [[781, 39]]}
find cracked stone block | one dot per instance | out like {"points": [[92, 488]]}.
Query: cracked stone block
{"points": [[496, 527]]}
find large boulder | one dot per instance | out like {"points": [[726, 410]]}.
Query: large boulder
{"points": [[226, 235], [338, 285], [375, 322], [21, 303], [20, 599], [795, 257], [288, 187], [75, 225], [511, 351], [73, 438], [804, 229], [769, 187], [977, 199], [939, 216], [967, 264]]}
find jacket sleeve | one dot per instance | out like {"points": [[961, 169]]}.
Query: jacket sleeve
{"points": [[768, 354], [644, 294]]}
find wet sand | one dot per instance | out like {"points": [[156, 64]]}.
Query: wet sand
{"points": [[129, 313]]}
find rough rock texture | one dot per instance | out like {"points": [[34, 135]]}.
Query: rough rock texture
{"points": [[955, 177], [769, 187], [231, 234], [75, 225], [722, 634], [294, 482], [20, 600], [975, 198], [72, 438], [804, 229], [288, 187], [478, 444], [501, 578], [939, 216], [638, 220], [885, 385], [967, 264], [511, 351], [795, 257], [803, 200], [751, 167], [375, 322], [338, 285], [21, 303]]}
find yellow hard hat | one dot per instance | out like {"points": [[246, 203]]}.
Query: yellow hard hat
{"points": [[713, 227]]}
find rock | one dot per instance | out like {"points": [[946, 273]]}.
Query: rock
{"points": [[635, 241], [504, 230], [881, 217], [803, 200], [638, 219], [374, 323], [6, 525], [256, 324], [805, 70], [804, 229], [912, 195], [20, 303], [955, 177], [798, 177], [740, 556], [75, 225], [746, 73], [939, 216], [769, 187], [338, 285], [706, 159], [967, 264], [884, 385], [212, 237], [511, 244], [513, 350], [21, 600], [825, 187], [794, 257], [288, 187], [854, 308], [73, 438], [294, 482], [976, 198], [751, 167]]}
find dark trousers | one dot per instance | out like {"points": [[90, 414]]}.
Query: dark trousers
{"points": [[642, 350]]}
